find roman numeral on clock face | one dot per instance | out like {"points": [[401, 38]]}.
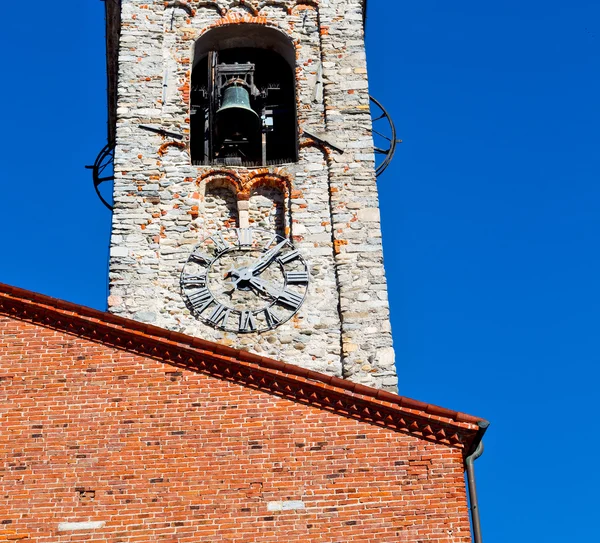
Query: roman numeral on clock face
{"points": [[244, 236], [290, 299], [271, 318], [270, 242], [200, 300], [296, 278], [193, 281], [201, 257], [247, 323], [219, 242], [219, 315], [288, 257]]}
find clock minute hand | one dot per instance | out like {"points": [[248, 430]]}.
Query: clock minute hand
{"points": [[267, 258]]}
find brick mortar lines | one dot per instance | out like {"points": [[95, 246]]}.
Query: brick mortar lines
{"points": [[117, 438]]}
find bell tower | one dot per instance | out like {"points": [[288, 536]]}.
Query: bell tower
{"points": [[245, 206]]}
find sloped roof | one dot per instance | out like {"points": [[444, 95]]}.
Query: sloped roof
{"points": [[340, 396]]}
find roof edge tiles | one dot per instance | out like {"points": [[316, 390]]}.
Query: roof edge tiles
{"points": [[248, 369]]}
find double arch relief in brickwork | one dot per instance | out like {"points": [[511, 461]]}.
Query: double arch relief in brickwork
{"points": [[243, 97], [258, 200], [225, 7]]}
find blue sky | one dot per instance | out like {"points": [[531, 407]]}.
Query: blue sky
{"points": [[491, 216]]}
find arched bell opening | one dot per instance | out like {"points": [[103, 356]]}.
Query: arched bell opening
{"points": [[243, 99]]}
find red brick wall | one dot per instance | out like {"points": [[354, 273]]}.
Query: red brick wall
{"points": [[91, 433]]}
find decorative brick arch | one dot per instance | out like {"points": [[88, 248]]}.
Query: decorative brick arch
{"points": [[224, 178], [283, 4], [309, 142], [212, 4], [262, 178], [235, 19], [164, 148], [253, 7], [245, 4], [313, 4], [181, 4]]}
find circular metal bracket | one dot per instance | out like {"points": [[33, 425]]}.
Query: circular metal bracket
{"points": [[384, 136], [103, 170]]}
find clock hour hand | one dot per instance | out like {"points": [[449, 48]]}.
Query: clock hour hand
{"points": [[235, 276], [247, 273]]}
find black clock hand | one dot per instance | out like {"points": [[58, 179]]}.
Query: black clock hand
{"points": [[233, 273], [258, 266]]}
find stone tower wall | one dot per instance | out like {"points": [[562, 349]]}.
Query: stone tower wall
{"points": [[326, 202]]}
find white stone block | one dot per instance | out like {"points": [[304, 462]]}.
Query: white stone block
{"points": [[369, 214], [285, 506], [85, 525], [119, 251]]}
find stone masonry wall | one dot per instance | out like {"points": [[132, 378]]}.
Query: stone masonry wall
{"points": [[104, 445], [326, 202]]}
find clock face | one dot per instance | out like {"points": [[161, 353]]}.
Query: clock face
{"points": [[244, 280]]}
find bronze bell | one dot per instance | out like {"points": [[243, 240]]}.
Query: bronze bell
{"points": [[235, 114], [238, 125], [237, 97]]}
